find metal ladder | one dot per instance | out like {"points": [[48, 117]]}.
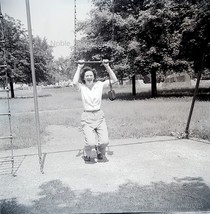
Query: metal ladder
{"points": [[4, 77]]}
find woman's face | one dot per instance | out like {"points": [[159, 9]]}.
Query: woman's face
{"points": [[89, 77]]}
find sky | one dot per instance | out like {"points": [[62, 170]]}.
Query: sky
{"points": [[52, 19]]}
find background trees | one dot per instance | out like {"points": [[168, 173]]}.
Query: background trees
{"points": [[62, 69], [144, 37], [18, 57], [14, 46], [147, 36]]}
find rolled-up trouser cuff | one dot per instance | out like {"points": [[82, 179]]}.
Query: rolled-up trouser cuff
{"points": [[90, 151], [102, 148]]}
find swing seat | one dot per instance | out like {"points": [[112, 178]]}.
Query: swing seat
{"points": [[112, 95]]}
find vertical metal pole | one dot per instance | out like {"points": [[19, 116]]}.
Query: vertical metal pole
{"points": [[34, 84]]}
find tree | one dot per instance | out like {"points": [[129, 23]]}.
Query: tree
{"points": [[14, 47], [195, 44], [18, 56], [42, 59], [62, 69], [102, 39]]}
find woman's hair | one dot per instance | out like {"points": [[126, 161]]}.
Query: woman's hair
{"points": [[84, 70]]}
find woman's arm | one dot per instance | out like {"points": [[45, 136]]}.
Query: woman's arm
{"points": [[77, 73], [110, 71]]}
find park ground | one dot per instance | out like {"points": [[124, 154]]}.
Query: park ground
{"points": [[148, 168]]}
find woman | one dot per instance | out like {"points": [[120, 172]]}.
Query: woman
{"points": [[92, 119]]}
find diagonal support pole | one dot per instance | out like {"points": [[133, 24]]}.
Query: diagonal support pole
{"points": [[194, 98]]}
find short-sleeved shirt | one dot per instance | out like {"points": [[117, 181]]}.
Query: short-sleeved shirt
{"points": [[91, 98]]}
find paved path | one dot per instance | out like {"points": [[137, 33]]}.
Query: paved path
{"points": [[146, 174]]}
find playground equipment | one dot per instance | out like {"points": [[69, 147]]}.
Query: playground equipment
{"points": [[4, 77], [3, 69]]}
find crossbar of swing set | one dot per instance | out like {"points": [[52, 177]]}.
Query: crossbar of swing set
{"points": [[93, 62]]}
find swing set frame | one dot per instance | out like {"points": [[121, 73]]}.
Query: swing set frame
{"points": [[41, 156]]}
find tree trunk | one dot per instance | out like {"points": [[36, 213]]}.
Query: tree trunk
{"points": [[10, 80], [12, 88], [134, 85], [121, 81], [153, 84]]}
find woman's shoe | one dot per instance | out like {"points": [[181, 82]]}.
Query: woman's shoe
{"points": [[86, 158], [89, 160], [100, 156]]}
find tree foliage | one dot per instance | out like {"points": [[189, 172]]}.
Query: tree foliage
{"points": [[62, 69], [42, 59], [195, 43], [18, 56], [142, 36]]}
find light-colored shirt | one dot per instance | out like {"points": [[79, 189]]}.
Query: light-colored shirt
{"points": [[91, 98]]}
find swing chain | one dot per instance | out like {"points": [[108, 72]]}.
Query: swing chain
{"points": [[75, 26], [113, 29]]}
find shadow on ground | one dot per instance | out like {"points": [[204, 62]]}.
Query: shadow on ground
{"points": [[184, 194]]}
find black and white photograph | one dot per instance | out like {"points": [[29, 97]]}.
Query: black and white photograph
{"points": [[104, 106]]}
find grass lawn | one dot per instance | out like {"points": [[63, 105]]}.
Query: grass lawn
{"points": [[126, 117]]}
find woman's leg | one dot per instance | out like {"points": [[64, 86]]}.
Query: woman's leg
{"points": [[89, 134], [102, 132], [90, 141]]}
